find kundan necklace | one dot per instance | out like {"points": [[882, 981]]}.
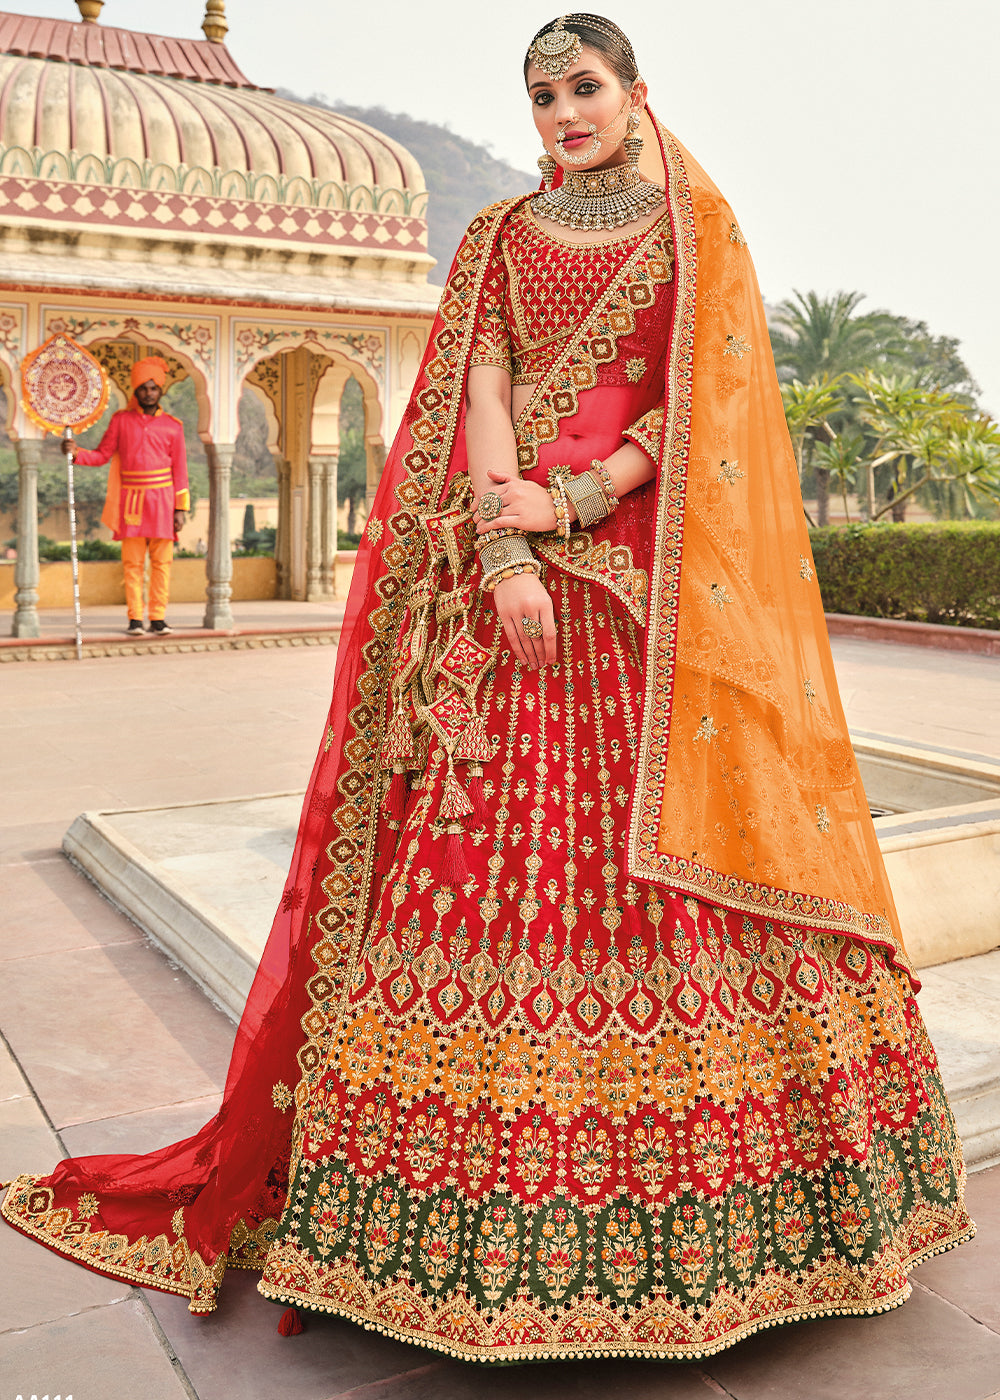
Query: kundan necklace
{"points": [[594, 199]]}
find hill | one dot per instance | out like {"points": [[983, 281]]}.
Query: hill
{"points": [[461, 176]]}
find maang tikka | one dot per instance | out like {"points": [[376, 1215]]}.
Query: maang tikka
{"points": [[554, 52]]}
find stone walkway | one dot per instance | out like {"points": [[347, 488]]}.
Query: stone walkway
{"points": [[107, 1047]]}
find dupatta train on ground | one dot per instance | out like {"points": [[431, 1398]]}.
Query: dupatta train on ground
{"points": [[584, 1025]]}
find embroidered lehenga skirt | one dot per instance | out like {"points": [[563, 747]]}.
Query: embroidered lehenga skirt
{"points": [[567, 1115]]}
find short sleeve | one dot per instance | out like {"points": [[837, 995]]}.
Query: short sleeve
{"points": [[647, 432], [491, 343]]}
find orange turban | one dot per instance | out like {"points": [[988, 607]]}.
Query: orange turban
{"points": [[152, 367]]}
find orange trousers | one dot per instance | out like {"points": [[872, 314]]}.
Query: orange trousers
{"points": [[161, 553]]}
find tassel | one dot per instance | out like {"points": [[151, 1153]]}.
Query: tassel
{"points": [[454, 799], [474, 787], [397, 793], [455, 867], [291, 1323]]}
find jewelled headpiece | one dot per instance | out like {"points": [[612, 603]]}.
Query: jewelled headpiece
{"points": [[555, 50]]}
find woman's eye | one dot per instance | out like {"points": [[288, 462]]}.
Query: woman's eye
{"points": [[586, 89], [543, 99]]}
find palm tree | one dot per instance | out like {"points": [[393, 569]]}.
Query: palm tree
{"points": [[930, 433], [816, 336], [841, 457], [808, 409]]}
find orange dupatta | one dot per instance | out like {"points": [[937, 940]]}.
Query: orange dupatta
{"points": [[747, 792]]}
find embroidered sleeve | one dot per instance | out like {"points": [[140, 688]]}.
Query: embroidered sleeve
{"points": [[491, 345], [647, 432]]}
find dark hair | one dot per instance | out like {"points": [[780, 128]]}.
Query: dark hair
{"points": [[604, 37]]}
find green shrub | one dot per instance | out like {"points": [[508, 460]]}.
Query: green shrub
{"points": [[52, 551], [944, 572]]}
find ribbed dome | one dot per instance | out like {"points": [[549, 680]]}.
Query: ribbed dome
{"points": [[218, 135]]}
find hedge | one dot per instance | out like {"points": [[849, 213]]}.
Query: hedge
{"points": [[948, 572]]}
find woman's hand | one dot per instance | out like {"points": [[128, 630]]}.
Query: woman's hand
{"points": [[527, 505], [520, 597]]}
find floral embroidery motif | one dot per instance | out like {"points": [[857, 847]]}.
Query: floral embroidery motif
{"points": [[737, 346], [706, 729], [719, 596], [730, 472]]}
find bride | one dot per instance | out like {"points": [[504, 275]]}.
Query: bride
{"points": [[585, 1026]]}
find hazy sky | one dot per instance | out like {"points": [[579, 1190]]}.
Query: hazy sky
{"points": [[858, 142]]}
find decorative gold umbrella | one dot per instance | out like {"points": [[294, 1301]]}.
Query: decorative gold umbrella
{"points": [[64, 390]]}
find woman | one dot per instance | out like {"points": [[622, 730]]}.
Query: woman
{"points": [[585, 1025]]}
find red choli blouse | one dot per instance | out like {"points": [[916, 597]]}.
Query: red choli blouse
{"points": [[540, 288]]}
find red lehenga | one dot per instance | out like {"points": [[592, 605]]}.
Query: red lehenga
{"points": [[584, 1026]]}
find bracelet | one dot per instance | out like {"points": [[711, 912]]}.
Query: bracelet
{"points": [[488, 584], [600, 470], [509, 552], [589, 500], [489, 535], [557, 490]]}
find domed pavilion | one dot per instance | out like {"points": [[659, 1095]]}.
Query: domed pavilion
{"points": [[154, 200]]}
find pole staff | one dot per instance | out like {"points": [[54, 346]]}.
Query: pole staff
{"points": [[70, 458]]}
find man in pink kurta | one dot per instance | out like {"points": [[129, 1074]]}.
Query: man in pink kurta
{"points": [[147, 490]]}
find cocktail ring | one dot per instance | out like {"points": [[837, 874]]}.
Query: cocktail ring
{"points": [[531, 627], [490, 505]]}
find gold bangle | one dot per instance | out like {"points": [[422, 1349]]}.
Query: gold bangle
{"points": [[490, 582], [589, 500], [508, 552], [557, 490], [489, 535], [600, 470]]}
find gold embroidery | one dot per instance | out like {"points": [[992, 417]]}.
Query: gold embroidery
{"points": [[635, 368], [809, 690], [822, 817], [730, 472], [737, 346], [706, 729], [805, 568], [374, 529], [282, 1097], [719, 596], [735, 236]]}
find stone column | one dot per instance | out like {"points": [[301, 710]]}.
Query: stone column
{"points": [[315, 591], [283, 537], [330, 464], [29, 454], [219, 563]]}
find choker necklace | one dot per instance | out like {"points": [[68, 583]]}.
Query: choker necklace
{"points": [[595, 199]]}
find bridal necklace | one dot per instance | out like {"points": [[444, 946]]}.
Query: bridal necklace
{"points": [[596, 199]]}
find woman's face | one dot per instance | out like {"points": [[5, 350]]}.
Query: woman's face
{"points": [[565, 108]]}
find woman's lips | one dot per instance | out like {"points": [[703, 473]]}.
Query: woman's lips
{"points": [[573, 138]]}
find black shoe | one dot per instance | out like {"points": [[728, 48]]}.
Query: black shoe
{"points": [[135, 628], [161, 628]]}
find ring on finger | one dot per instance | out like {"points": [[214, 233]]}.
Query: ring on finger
{"points": [[531, 627], [490, 505]]}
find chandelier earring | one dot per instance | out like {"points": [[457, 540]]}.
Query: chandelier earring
{"points": [[633, 144], [547, 165]]}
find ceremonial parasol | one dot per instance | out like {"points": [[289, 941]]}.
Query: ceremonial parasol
{"points": [[64, 391]]}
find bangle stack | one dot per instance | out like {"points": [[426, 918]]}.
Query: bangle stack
{"points": [[557, 490], [592, 494], [589, 500], [600, 470], [504, 557]]}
